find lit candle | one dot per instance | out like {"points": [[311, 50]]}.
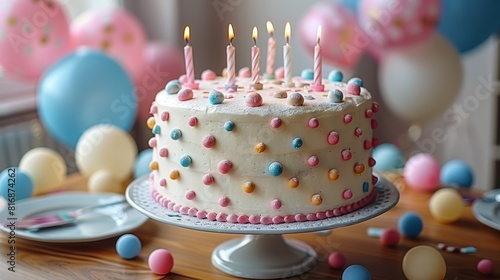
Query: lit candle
{"points": [[231, 67], [188, 59], [255, 58], [287, 56], [271, 50], [317, 83]]}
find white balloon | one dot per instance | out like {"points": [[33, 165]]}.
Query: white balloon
{"points": [[420, 81], [106, 147], [103, 181]]}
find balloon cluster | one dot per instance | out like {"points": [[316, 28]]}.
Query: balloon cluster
{"points": [[99, 68], [418, 45]]}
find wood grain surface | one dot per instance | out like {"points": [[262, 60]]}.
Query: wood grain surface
{"points": [[192, 249]]}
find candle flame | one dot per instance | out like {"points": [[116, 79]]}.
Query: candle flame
{"points": [[186, 34], [270, 28], [230, 33], [254, 35], [288, 31], [318, 33]]}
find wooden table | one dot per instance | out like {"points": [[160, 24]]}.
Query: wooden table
{"points": [[192, 249]]}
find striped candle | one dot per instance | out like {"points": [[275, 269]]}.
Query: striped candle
{"points": [[188, 58], [318, 61], [287, 56], [255, 58], [231, 64], [271, 49]]}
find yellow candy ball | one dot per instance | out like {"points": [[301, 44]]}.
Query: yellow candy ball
{"points": [[424, 263], [45, 167], [248, 187], [333, 174], [104, 181], [446, 205], [293, 182], [151, 122], [174, 174], [260, 147], [316, 199]]}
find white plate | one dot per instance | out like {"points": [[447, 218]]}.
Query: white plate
{"points": [[100, 224], [487, 211]]}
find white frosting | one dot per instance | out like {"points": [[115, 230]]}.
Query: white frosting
{"points": [[252, 126]]}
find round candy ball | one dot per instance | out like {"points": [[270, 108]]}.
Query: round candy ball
{"points": [[160, 261], [336, 260], [106, 147], [128, 246], [173, 87], [410, 225], [389, 237], [457, 173], [424, 262], [446, 205], [421, 172], [46, 168], [18, 182], [356, 272], [104, 181], [141, 165], [335, 96], [307, 74], [486, 267], [387, 157], [335, 76], [215, 97]]}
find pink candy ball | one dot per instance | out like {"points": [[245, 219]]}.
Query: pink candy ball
{"points": [[422, 172], [160, 261], [208, 75], [336, 260], [244, 72], [486, 267], [389, 237], [279, 73]]}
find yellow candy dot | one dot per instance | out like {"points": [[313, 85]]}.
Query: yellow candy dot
{"points": [[153, 165], [333, 174], [224, 72], [359, 168], [293, 182], [151, 122], [316, 199], [174, 174], [248, 187], [259, 148]]}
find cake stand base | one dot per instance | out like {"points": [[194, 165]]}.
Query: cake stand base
{"points": [[264, 257]]}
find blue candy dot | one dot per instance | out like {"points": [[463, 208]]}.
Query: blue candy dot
{"points": [[297, 143], [335, 76], [14, 179], [156, 129], [366, 186], [229, 126], [275, 168], [457, 173], [388, 157], [307, 74], [128, 246], [356, 272], [410, 225], [185, 161], [356, 80], [141, 165], [335, 96], [173, 87], [175, 134], [215, 97]]}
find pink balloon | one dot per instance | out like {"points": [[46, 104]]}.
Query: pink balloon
{"points": [[342, 41], [114, 31], [33, 35], [421, 172], [396, 23], [162, 63]]}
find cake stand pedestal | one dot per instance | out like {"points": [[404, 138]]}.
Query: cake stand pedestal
{"points": [[262, 253]]}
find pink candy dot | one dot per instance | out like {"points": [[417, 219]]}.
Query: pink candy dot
{"points": [[367, 145], [152, 142], [153, 109], [347, 118], [346, 154], [163, 182], [244, 72], [279, 73], [185, 94], [347, 194], [193, 121], [208, 141], [358, 132], [160, 261], [389, 237], [208, 179], [336, 260], [224, 201], [374, 179], [253, 99], [313, 161], [333, 138], [275, 122], [486, 267], [353, 89], [371, 162], [224, 166], [375, 107], [313, 123], [208, 75], [163, 152], [374, 124], [369, 114], [190, 195], [276, 204], [164, 116]]}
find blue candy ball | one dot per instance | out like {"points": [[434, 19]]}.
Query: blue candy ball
{"points": [[335, 96], [141, 165], [297, 143], [15, 184], [128, 246], [356, 272], [173, 87], [229, 126], [457, 173], [307, 74], [175, 134], [215, 97], [275, 168], [410, 225], [185, 161], [335, 76], [388, 157], [356, 80]]}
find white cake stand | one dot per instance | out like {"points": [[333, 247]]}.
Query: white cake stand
{"points": [[263, 253]]}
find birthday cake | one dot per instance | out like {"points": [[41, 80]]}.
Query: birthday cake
{"points": [[279, 154]]}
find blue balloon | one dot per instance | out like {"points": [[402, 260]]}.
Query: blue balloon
{"points": [[84, 89], [466, 24], [15, 184], [356, 272], [457, 173], [387, 157], [141, 166]]}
